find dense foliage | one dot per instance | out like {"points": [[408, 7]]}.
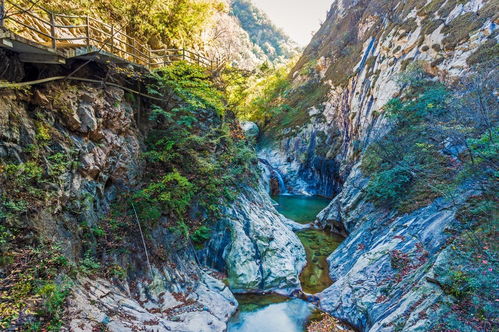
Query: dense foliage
{"points": [[275, 100], [260, 96], [174, 23], [197, 155]]}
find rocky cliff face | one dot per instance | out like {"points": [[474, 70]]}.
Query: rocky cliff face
{"points": [[349, 72], [68, 152], [94, 132], [385, 271]]}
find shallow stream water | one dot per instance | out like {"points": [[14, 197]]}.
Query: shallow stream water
{"points": [[319, 244], [270, 313], [274, 313]]}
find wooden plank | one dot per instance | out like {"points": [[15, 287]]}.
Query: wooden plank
{"points": [[87, 30], [40, 58]]}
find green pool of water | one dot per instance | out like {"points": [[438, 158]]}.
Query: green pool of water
{"points": [[318, 245], [302, 209]]}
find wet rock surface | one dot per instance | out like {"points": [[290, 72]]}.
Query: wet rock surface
{"points": [[302, 166]]}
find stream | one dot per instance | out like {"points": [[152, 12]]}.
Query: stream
{"points": [[275, 313]]}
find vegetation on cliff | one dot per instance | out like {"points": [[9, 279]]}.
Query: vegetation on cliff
{"points": [[443, 135], [199, 150], [445, 142]]}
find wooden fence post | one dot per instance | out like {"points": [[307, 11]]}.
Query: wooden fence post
{"points": [[112, 38], [133, 49], [2, 12], [149, 58], [52, 30], [87, 30]]}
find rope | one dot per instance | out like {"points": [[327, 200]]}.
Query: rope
{"points": [[142, 236], [10, 85]]}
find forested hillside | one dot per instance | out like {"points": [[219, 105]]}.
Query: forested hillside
{"points": [[275, 44]]}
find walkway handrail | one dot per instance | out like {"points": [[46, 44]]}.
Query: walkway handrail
{"points": [[62, 31]]}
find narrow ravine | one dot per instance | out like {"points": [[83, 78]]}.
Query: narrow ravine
{"points": [[271, 312]]}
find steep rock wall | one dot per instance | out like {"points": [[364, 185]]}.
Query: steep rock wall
{"points": [[383, 270]]}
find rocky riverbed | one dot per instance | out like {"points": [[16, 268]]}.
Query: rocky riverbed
{"points": [[272, 312]]}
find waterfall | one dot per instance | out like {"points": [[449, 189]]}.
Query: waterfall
{"points": [[274, 172], [282, 186]]}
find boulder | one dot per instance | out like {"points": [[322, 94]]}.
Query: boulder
{"points": [[250, 129], [256, 246]]}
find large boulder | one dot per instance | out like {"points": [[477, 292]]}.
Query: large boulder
{"points": [[255, 246], [250, 129]]}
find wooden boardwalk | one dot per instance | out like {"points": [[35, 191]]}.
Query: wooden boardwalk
{"points": [[42, 36]]}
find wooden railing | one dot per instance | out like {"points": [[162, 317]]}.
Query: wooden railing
{"points": [[64, 32]]}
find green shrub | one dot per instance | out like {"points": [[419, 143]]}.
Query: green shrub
{"points": [[390, 186], [173, 194], [201, 235], [191, 84], [88, 265], [42, 132], [53, 296]]}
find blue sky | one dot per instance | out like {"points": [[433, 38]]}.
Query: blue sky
{"points": [[298, 18]]}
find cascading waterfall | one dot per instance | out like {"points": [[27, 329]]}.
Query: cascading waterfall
{"points": [[282, 186], [274, 172]]}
